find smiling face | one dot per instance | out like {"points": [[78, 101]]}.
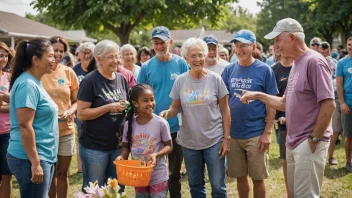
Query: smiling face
{"points": [[196, 58], [144, 57], [146, 102], [110, 61], [213, 53], [59, 52], [85, 56], [46, 64], [4, 58], [128, 57], [161, 47], [244, 51]]}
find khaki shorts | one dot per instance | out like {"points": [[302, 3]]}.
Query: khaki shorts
{"points": [[67, 145], [244, 158]]}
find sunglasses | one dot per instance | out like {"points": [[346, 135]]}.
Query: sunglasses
{"points": [[315, 45]]}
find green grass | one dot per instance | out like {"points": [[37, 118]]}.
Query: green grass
{"points": [[337, 181]]}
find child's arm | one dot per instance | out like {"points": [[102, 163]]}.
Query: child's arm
{"points": [[164, 151], [124, 153]]}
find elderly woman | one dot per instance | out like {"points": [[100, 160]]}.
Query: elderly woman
{"points": [[5, 173], [84, 55], [62, 86], [205, 129], [143, 55], [128, 54], [33, 147], [101, 108]]}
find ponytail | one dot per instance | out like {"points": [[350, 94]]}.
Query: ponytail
{"points": [[25, 50], [92, 65]]}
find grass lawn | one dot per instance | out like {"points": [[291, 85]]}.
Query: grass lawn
{"points": [[337, 181]]}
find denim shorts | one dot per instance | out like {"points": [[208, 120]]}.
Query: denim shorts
{"points": [[22, 170], [4, 143]]}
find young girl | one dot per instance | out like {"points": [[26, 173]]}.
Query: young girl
{"points": [[147, 137]]}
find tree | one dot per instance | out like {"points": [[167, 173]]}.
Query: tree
{"points": [[238, 19], [123, 16]]}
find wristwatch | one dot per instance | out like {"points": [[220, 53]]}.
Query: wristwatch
{"points": [[228, 137], [314, 139]]}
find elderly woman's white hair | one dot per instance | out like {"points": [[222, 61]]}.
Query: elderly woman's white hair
{"points": [[222, 49], [86, 45], [104, 47], [128, 47], [192, 42]]}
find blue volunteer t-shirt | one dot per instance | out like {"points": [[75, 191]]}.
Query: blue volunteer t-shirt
{"points": [[344, 69], [248, 121], [28, 92], [161, 77]]}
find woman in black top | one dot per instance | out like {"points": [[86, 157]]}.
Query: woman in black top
{"points": [[101, 98]]}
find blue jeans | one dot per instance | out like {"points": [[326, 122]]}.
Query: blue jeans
{"points": [[195, 161], [4, 143], [22, 170], [98, 165]]}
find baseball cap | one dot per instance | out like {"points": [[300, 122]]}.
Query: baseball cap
{"points": [[325, 45], [210, 39], [244, 36], [315, 41], [284, 25], [161, 32]]}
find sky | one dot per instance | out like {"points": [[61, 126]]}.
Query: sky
{"points": [[21, 7]]}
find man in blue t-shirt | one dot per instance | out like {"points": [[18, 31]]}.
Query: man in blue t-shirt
{"points": [[344, 92], [250, 124], [160, 72]]}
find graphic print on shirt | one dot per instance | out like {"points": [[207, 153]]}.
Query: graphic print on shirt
{"points": [[241, 83], [80, 78], [114, 95], [349, 70], [4, 88], [292, 81], [196, 97], [61, 81], [143, 145], [174, 75], [283, 78]]}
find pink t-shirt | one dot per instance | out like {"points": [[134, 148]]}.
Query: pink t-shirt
{"points": [[309, 83], [128, 75], [5, 117]]}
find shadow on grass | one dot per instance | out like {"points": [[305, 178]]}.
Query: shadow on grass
{"points": [[76, 178], [333, 173], [275, 163]]}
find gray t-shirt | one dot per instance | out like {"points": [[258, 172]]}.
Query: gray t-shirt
{"points": [[218, 68], [201, 118], [148, 139]]}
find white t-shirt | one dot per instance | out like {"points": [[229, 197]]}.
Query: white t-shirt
{"points": [[218, 68]]}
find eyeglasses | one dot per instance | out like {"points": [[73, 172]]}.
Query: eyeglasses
{"points": [[241, 46], [194, 56], [315, 45], [145, 55], [4, 56], [112, 58]]}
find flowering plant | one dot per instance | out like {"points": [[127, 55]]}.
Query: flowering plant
{"points": [[109, 190]]}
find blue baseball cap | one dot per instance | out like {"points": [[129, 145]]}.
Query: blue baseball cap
{"points": [[210, 39], [244, 36], [161, 32]]}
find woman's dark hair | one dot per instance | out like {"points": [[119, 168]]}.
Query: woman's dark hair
{"points": [[257, 54], [135, 93], [92, 65], [139, 54], [59, 39], [25, 50]]}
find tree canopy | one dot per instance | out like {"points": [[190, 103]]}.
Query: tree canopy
{"points": [[123, 16]]}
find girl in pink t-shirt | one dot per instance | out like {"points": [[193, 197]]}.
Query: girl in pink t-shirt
{"points": [[147, 137], [5, 173]]}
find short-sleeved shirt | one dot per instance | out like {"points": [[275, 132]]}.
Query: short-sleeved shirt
{"points": [[28, 92], [128, 75], [202, 125], [309, 83], [344, 69], [161, 77], [5, 116], [79, 72], [248, 121], [148, 139], [59, 84], [218, 68], [281, 76], [101, 133]]}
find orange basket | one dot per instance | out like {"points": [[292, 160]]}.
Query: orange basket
{"points": [[131, 173]]}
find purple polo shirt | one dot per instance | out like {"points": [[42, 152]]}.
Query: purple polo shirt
{"points": [[308, 84]]}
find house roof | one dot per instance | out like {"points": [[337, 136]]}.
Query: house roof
{"points": [[80, 34], [21, 27]]}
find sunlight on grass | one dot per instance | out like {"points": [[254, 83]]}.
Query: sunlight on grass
{"points": [[337, 181]]}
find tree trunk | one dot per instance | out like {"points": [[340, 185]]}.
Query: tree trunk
{"points": [[124, 38], [344, 35]]}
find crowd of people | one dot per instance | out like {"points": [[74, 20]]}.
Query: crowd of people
{"points": [[199, 104]]}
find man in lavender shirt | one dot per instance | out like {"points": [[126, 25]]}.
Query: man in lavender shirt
{"points": [[309, 105]]}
